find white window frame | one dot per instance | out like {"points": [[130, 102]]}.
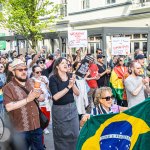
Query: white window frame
{"points": [[110, 2], [85, 4]]}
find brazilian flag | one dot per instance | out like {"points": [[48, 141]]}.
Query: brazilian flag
{"points": [[129, 130]]}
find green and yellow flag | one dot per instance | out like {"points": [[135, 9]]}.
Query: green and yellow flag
{"points": [[116, 82], [129, 130]]}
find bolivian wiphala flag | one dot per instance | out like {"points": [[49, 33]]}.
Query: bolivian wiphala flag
{"points": [[129, 130]]}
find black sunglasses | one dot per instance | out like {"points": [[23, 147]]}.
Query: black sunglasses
{"points": [[42, 62], [21, 70], [108, 98], [38, 72]]}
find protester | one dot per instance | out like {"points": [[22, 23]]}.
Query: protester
{"points": [[99, 51], [118, 74], [8, 72], [104, 72], [65, 120], [103, 104], [136, 85], [140, 59], [45, 105], [21, 108], [82, 99], [50, 61]]}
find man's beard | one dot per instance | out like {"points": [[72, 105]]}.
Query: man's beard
{"points": [[136, 73], [20, 79]]}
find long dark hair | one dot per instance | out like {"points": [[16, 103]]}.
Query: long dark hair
{"points": [[56, 63], [118, 60]]}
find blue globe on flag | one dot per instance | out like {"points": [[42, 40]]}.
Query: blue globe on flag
{"points": [[116, 136]]}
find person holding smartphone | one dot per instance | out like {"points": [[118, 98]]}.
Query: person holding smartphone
{"points": [[65, 120]]}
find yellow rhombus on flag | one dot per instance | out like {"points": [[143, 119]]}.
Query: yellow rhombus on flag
{"points": [[129, 130]]}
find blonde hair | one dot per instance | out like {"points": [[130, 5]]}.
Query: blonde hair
{"points": [[99, 92]]}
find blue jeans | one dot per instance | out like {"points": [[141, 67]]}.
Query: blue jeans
{"points": [[30, 139]]}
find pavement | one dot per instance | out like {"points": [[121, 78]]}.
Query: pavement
{"points": [[48, 138]]}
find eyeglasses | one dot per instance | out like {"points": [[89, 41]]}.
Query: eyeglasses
{"points": [[21, 70], [121, 60], [38, 72], [108, 98], [41, 62]]}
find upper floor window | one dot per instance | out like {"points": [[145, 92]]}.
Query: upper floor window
{"points": [[63, 10], [110, 1], [85, 4]]}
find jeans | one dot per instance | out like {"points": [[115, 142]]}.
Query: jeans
{"points": [[29, 139]]}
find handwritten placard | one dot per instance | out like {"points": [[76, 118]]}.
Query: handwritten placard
{"points": [[121, 46], [77, 38]]}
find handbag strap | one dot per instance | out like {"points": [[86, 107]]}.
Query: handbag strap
{"points": [[27, 92]]}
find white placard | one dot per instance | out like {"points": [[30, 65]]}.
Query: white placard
{"points": [[120, 45], [77, 38]]}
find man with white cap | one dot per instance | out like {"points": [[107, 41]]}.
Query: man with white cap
{"points": [[22, 109]]}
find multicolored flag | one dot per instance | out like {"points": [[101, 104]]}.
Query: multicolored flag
{"points": [[129, 130], [116, 82]]}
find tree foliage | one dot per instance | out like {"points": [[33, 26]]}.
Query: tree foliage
{"points": [[26, 17]]}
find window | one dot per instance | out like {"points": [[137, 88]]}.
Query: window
{"points": [[136, 36], [145, 46], [92, 48], [85, 4], [91, 38], [110, 1], [144, 35], [136, 45]]}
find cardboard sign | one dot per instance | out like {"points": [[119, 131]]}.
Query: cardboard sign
{"points": [[83, 68], [77, 38], [121, 46]]}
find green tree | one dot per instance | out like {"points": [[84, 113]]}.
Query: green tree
{"points": [[27, 17]]}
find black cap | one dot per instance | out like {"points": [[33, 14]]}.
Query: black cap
{"points": [[140, 56], [100, 56]]}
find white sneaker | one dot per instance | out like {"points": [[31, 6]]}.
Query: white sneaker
{"points": [[46, 131]]}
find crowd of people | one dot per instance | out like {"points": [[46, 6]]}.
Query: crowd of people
{"points": [[107, 88]]}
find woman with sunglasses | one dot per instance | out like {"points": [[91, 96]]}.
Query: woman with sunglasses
{"points": [[118, 75], [65, 120], [104, 104], [45, 71], [45, 105]]}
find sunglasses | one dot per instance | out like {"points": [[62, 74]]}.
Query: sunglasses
{"points": [[38, 72], [21, 70], [121, 60], [108, 98], [69, 65], [41, 62]]}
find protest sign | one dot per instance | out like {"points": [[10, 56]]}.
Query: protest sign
{"points": [[83, 68], [77, 38], [120, 45]]}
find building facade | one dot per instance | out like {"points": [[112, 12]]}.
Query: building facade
{"points": [[103, 19]]}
